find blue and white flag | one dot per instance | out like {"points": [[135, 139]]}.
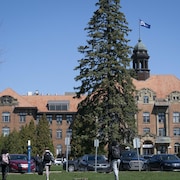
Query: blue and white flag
{"points": [[142, 23]]}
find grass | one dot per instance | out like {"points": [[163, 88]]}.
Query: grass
{"points": [[99, 176], [57, 173]]}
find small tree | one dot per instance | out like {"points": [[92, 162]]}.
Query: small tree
{"points": [[43, 136], [32, 137], [24, 137], [13, 142]]}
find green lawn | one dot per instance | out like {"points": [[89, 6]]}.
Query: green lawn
{"points": [[124, 175]]}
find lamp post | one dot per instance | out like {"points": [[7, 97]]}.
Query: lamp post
{"points": [[29, 156], [136, 143], [96, 145], [67, 143]]}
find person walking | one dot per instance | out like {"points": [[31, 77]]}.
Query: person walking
{"points": [[4, 163], [114, 154], [47, 159], [39, 164]]}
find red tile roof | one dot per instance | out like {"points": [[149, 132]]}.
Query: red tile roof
{"points": [[22, 102], [41, 101], [162, 85]]}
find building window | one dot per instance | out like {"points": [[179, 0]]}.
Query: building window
{"points": [[146, 99], [6, 116], [5, 131], [22, 117], [50, 132], [176, 148], [69, 132], [176, 117], [161, 117], [6, 100], [38, 117], [146, 117], [69, 119], [58, 105], [137, 98], [146, 130], [176, 131], [175, 97], [59, 119], [161, 132], [59, 133], [59, 150], [49, 118]]}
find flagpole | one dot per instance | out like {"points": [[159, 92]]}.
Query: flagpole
{"points": [[139, 31]]}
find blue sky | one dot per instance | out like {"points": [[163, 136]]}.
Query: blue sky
{"points": [[39, 40]]}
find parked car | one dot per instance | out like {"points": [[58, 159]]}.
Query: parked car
{"points": [[147, 156], [131, 161], [59, 161], [19, 163], [164, 162], [87, 163]]}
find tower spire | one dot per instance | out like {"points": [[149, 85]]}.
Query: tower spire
{"points": [[140, 61]]}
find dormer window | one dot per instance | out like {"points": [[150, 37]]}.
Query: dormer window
{"points": [[146, 96], [174, 96], [6, 100], [58, 105], [146, 99]]}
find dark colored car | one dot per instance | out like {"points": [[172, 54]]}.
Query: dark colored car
{"points": [[19, 163], [131, 161], [164, 162], [87, 163]]}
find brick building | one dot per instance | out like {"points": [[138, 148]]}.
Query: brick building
{"points": [[158, 100], [17, 110]]}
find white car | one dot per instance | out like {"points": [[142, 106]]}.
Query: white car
{"points": [[58, 161]]}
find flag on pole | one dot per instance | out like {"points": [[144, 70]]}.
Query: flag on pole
{"points": [[142, 23]]}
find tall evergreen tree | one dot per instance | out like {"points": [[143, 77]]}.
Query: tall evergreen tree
{"points": [[108, 110]]}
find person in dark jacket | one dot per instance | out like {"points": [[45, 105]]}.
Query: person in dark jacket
{"points": [[47, 164], [114, 157], [39, 164], [4, 163]]}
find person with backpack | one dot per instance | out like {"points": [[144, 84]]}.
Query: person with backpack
{"points": [[47, 159], [114, 153], [4, 163]]}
